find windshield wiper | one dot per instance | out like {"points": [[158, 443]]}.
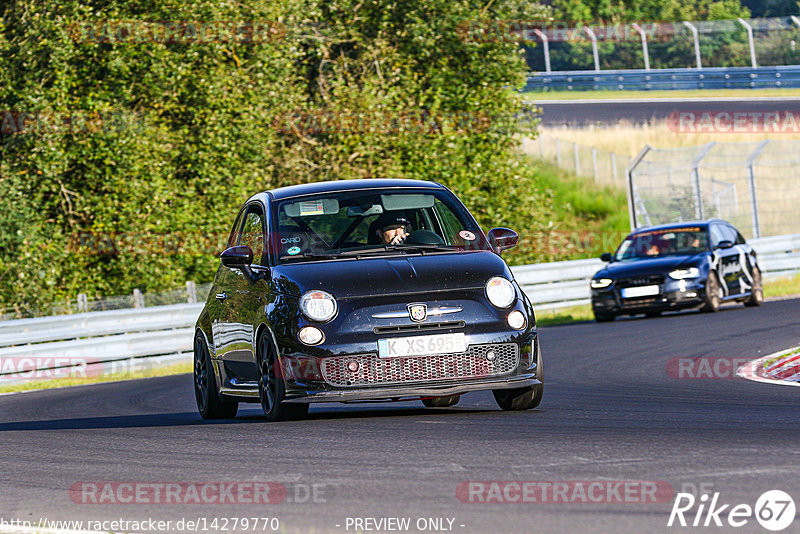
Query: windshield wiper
{"points": [[311, 256]]}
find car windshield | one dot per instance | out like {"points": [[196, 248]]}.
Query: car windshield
{"points": [[665, 242], [355, 223]]}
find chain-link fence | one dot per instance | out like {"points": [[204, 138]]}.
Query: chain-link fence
{"points": [[191, 294], [650, 45], [603, 166], [755, 186]]}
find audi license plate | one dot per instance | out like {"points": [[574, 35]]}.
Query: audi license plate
{"points": [[399, 347], [643, 291]]}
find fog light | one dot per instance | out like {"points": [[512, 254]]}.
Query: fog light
{"points": [[310, 335], [491, 355], [352, 366], [516, 320]]}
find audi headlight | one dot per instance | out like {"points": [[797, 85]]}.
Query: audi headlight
{"points": [[318, 306], [500, 292], [599, 283], [680, 274]]}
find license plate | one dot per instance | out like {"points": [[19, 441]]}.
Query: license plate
{"points": [[399, 347], [643, 291]]}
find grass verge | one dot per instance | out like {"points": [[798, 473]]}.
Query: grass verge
{"points": [[637, 95], [174, 369]]}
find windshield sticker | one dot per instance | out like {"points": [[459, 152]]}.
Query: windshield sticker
{"points": [[294, 250], [466, 235], [311, 207], [669, 231]]}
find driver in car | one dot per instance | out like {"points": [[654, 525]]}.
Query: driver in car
{"points": [[392, 229]]}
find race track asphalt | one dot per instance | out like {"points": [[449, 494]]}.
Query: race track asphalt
{"points": [[611, 412], [583, 113]]}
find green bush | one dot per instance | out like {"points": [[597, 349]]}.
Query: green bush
{"points": [[140, 152]]}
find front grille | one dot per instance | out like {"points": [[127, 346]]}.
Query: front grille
{"points": [[646, 280], [421, 327], [639, 302], [373, 370]]}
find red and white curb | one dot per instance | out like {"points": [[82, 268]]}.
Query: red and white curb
{"points": [[785, 371]]}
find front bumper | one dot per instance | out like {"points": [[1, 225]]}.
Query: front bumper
{"points": [[673, 295], [413, 392]]}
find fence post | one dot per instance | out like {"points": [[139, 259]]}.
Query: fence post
{"points": [[644, 45], [138, 299], [696, 43], [752, 178], [696, 179], [750, 40], [558, 152], [593, 37], [594, 163], [614, 167], [191, 292], [83, 303], [629, 172], [546, 46], [577, 158]]}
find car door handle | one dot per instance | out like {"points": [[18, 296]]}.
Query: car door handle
{"points": [[221, 296]]}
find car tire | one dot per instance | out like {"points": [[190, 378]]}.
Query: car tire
{"points": [[711, 299], [756, 297], [206, 395], [441, 402], [272, 386], [604, 317], [519, 399]]}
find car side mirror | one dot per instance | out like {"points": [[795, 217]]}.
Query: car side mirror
{"points": [[606, 257], [724, 244], [237, 257], [501, 239]]}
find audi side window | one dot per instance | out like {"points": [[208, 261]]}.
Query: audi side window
{"points": [[729, 233], [716, 235], [252, 233]]}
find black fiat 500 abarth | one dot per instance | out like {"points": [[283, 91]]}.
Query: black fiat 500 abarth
{"points": [[674, 266], [362, 290]]}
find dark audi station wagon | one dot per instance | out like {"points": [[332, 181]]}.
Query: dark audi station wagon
{"points": [[363, 290]]}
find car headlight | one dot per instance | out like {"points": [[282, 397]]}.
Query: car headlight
{"points": [[318, 306], [500, 292], [599, 283], [680, 274]]}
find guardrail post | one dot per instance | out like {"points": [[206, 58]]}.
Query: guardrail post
{"points": [[191, 292], [750, 39], [577, 158], [752, 178], [594, 163], [546, 46], [83, 303], [138, 299], [593, 37], [696, 43], [644, 45]]}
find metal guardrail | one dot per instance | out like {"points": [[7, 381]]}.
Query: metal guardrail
{"points": [[97, 338], [665, 79]]}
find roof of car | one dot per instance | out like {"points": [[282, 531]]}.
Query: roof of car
{"points": [[668, 226], [349, 185]]}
